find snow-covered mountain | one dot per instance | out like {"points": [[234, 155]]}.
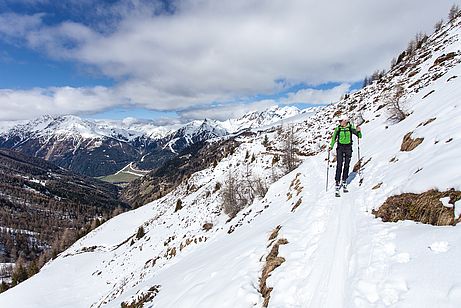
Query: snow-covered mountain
{"points": [[102, 147], [140, 127], [298, 246], [73, 127], [258, 119], [194, 132], [74, 143]]}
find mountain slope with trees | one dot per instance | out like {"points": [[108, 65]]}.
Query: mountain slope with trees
{"points": [[44, 208], [298, 245]]}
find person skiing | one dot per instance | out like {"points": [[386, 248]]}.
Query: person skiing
{"points": [[343, 135]]}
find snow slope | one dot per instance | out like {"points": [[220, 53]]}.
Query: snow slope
{"points": [[337, 254]]}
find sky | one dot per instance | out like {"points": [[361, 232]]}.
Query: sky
{"points": [[190, 59]]}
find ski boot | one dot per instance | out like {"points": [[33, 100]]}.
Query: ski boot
{"points": [[345, 187], [337, 188]]}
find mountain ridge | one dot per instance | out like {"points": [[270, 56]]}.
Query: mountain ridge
{"points": [[100, 148]]}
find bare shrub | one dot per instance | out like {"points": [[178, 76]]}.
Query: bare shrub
{"points": [[290, 144], [239, 191], [438, 25], [454, 12], [231, 202], [396, 104]]}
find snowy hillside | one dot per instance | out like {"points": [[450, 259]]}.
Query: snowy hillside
{"points": [[299, 246]]}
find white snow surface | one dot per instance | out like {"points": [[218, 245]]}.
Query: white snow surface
{"points": [[338, 254]]}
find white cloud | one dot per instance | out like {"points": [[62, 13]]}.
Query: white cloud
{"points": [[26, 104], [225, 111], [235, 110], [17, 26], [216, 51], [317, 97]]}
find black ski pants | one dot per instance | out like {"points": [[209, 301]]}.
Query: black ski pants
{"points": [[343, 157]]}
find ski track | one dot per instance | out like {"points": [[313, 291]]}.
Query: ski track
{"points": [[339, 254], [330, 264]]}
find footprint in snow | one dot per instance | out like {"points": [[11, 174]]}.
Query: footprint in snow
{"points": [[439, 247], [455, 292], [402, 257]]}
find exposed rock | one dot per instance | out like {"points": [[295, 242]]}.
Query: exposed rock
{"points": [[178, 205]]}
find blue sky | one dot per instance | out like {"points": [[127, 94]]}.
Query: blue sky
{"points": [[23, 68], [186, 59]]}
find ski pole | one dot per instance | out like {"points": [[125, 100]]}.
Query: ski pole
{"points": [[360, 159], [328, 166]]}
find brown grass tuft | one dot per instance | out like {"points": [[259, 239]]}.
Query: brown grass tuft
{"points": [[425, 208], [298, 203], [358, 165], [409, 144], [142, 298], [207, 226], [444, 58], [275, 232], [273, 260]]}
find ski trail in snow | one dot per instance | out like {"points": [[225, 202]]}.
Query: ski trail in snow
{"points": [[338, 255], [322, 237], [331, 264]]}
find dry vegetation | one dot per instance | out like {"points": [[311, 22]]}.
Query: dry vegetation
{"points": [[409, 144], [273, 260], [426, 208], [142, 298]]}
